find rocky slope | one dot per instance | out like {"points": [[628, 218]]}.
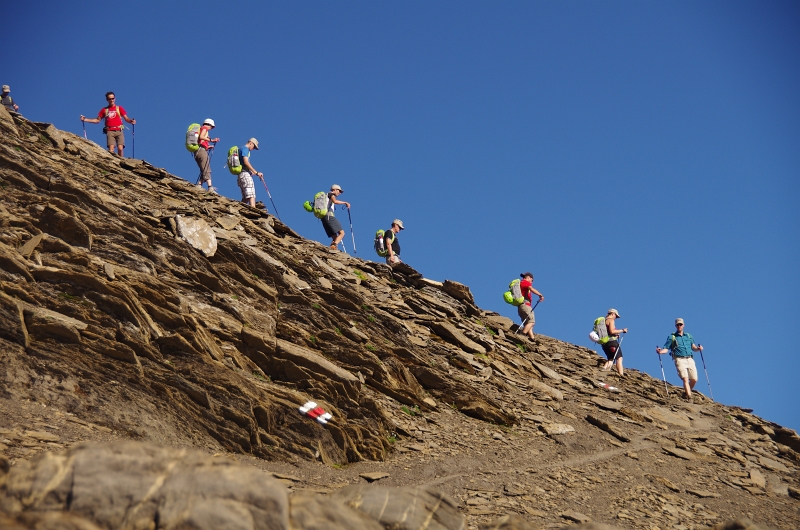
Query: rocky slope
{"points": [[134, 306]]}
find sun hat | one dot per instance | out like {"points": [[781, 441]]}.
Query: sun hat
{"points": [[337, 187], [254, 142], [679, 321], [399, 223], [209, 121], [615, 312]]}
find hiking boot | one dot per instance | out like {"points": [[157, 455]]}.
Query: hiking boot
{"points": [[212, 190], [333, 247]]}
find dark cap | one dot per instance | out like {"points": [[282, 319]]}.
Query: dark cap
{"points": [[526, 274]]}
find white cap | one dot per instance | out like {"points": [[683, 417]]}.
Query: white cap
{"points": [[209, 121], [399, 223]]}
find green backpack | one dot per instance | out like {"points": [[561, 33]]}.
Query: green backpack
{"points": [[599, 332], [380, 243], [514, 294], [234, 161], [192, 134], [320, 205]]}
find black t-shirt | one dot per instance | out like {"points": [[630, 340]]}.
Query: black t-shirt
{"points": [[395, 245], [8, 101]]}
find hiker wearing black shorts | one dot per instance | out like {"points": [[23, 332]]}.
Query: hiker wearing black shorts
{"points": [[333, 228], [611, 348]]}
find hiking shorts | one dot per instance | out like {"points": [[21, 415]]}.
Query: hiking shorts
{"points": [[115, 138], [686, 368], [201, 157], [526, 312], [332, 226], [611, 348], [247, 186]]}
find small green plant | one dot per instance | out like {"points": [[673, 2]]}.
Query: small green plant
{"points": [[338, 466], [365, 307], [67, 296], [482, 356], [410, 412], [454, 406], [235, 296], [259, 376], [315, 306], [247, 325], [338, 331], [491, 331], [359, 274], [255, 276], [313, 339], [392, 438], [371, 318], [522, 348], [370, 347]]}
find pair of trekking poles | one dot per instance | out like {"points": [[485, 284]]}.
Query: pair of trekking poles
{"points": [[664, 377], [133, 129]]}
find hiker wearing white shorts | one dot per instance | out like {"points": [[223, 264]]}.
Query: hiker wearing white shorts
{"points": [[245, 179], [681, 345]]}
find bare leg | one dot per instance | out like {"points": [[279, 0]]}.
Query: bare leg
{"points": [[339, 237], [120, 148], [528, 330], [251, 201], [688, 385], [620, 370]]}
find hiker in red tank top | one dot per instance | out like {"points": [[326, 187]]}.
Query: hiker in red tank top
{"points": [[113, 114]]}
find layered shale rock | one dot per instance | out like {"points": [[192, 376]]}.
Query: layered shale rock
{"points": [[137, 307]]}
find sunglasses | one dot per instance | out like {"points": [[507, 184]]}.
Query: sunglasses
{"points": [[678, 324]]}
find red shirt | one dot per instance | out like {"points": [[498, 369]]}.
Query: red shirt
{"points": [[204, 143], [113, 116], [526, 286]]}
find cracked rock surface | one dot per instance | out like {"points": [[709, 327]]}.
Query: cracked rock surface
{"points": [[151, 318]]}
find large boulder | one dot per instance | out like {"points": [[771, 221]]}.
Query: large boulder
{"points": [[459, 291], [407, 508], [130, 485], [197, 233]]}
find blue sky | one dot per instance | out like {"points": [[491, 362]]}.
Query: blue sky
{"points": [[636, 155]]}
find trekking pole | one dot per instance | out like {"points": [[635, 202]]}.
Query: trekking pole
{"points": [[351, 231], [270, 199], [662, 371], [706, 371], [84, 129], [619, 348], [526, 318], [133, 128]]}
